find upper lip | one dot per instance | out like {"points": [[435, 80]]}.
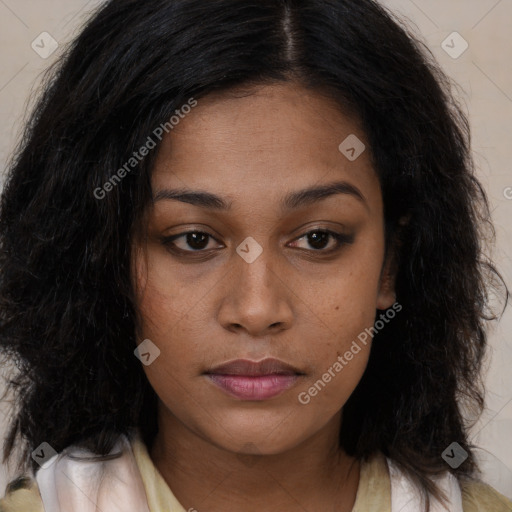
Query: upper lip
{"points": [[267, 366]]}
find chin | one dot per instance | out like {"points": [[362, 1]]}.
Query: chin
{"points": [[261, 439]]}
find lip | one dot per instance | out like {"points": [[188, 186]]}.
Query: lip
{"points": [[248, 368], [254, 388], [254, 380]]}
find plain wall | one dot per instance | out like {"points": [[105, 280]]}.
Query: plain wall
{"points": [[484, 72]]}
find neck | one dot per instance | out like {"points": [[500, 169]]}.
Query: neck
{"points": [[315, 475]]}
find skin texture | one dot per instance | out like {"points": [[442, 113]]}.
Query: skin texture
{"points": [[295, 302]]}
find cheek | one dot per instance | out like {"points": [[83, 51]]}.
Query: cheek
{"points": [[172, 314], [345, 300], [181, 355], [337, 363], [344, 308], [176, 327], [166, 295]]}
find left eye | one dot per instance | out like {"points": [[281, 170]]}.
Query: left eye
{"points": [[319, 238]]}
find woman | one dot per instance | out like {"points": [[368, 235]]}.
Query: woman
{"points": [[271, 205]]}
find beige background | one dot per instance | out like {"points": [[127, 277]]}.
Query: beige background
{"points": [[484, 73]]}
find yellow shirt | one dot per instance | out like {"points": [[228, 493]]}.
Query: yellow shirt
{"points": [[373, 493]]}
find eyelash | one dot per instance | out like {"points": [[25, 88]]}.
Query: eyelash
{"points": [[341, 240]]}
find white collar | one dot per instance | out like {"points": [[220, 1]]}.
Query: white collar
{"points": [[405, 497], [70, 483]]}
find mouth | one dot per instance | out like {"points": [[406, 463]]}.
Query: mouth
{"points": [[251, 380]]}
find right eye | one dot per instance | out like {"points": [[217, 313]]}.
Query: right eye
{"points": [[196, 240]]}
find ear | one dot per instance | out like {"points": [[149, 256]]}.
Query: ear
{"points": [[386, 296]]}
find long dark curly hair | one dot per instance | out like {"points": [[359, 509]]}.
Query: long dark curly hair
{"points": [[67, 304]]}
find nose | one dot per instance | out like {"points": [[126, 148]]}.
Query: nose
{"points": [[256, 298]]}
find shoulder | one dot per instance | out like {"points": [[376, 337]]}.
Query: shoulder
{"points": [[478, 496], [22, 495]]}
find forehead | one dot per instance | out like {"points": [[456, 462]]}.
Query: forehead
{"points": [[256, 144]]}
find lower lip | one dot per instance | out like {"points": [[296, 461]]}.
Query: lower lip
{"points": [[259, 387]]}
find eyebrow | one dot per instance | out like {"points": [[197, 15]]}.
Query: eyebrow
{"points": [[292, 201]]}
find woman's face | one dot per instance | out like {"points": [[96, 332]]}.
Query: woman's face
{"points": [[260, 278]]}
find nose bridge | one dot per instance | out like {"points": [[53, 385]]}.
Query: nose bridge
{"points": [[254, 269]]}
